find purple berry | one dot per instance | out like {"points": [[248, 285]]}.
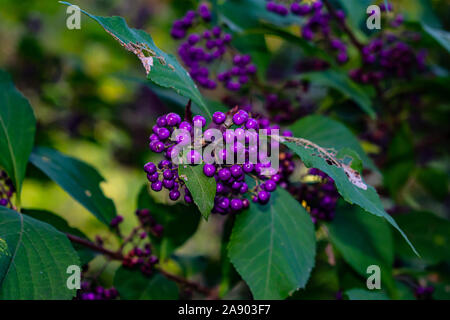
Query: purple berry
{"points": [[150, 168], [224, 174], [219, 117], [174, 195], [209, 170], [263, 196], [157, 186], [236, 204], [199, 121]]}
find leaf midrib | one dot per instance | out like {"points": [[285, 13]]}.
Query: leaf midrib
{"points": [[11, 151]]}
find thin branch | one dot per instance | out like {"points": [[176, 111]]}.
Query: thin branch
{"points": [[343, 26], [88, 244], [210, 293], [190, 284]]}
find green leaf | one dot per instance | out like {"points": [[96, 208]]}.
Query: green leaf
{"points": [[430, 234], [17, 130], [400, 161], [350, 158], [133, 285], [273, 246], [245, 13], [363, 294], [166, 71], [34, 258], [61, 225], [179, 221], [367, 199], [363, 240], [329, 133], [342, 83], [356, 11], [202, 188], [435, 181], [78, 179], [441, 36]]}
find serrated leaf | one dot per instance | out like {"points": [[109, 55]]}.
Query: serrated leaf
{"points": [[17, 130], [364, 294], [161, 68], [34, 262], [78, 179], [329, 133], [342, 83], [179, 221], [202, 188], [351, 191], [133, 285], [273, 246], [61, 225], [363, 240]]}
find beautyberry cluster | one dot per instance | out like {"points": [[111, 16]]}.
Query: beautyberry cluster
{"points": [[202, 49], [319, 199], [7, 190], [140, 256], [388, 57], [318, 25], [239, 74], [89, 291]]}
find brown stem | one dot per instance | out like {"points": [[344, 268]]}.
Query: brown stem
{"points": [[210, 293], [193, 285], [343, 26], [88, 244]]}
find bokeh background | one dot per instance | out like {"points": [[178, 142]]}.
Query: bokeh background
{"points": [[92, 101]]}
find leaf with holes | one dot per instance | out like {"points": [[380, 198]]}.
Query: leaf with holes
{"points": [[34, 258], [273, 246], [133, 285], [348, 182], [161, 68], [17, 130], [329, 133], [78, 179], [202, 188]]}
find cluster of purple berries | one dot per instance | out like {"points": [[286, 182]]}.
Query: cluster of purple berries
{"points": [[318, 23], [201, 49], [239, 74], [7, 190], [140, 256], [231, 185], [181, 26], [89, 291], [319, 199], [388, 57]]}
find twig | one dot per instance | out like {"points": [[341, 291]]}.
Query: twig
{"points": [[193, 285], [210, 293], [343, 26], [88, 244]]}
